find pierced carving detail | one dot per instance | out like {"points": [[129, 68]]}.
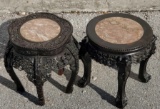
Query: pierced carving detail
{"points": [[110, 59], [45, 64]]}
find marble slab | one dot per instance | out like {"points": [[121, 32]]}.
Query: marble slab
{"points": [[40, 29], [119, 30]]}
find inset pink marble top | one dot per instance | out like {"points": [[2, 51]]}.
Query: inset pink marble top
{"points": [[119, 30], [40, 29]]}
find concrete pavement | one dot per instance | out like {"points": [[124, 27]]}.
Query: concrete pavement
{"points": [[58, 6]]}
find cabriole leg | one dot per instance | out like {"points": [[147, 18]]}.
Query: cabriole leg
{"points": [[86, 59], [9, 68], [85, 80], [124, 69], [39, 80], [143, 75], [74, 70]]}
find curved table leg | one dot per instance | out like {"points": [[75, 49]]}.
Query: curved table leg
{"points": [[143, 75], [39, 80], [86, 59], [9, 68], [74, 65], [85, 80], [124, 69], [74, 70]]}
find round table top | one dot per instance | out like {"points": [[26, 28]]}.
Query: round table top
{"points": [[40, 29], [119, 30]]}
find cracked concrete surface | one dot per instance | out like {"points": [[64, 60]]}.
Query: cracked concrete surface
{"points": [[100, 93]]}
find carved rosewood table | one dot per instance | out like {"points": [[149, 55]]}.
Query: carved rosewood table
{"points": [[118, 40], [38, 44]]}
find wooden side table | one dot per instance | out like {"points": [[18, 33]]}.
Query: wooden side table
{"points": [[38, 44], [118, 40]]}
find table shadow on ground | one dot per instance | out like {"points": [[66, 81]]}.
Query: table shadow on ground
{"points": [[4, 36], [104, 95], [11, 85]]}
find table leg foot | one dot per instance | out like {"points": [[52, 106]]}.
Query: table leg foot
{"points": [[69, 90], [20, 89], [83, 82], [145, 77], [121, 103], [40, 95]]}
